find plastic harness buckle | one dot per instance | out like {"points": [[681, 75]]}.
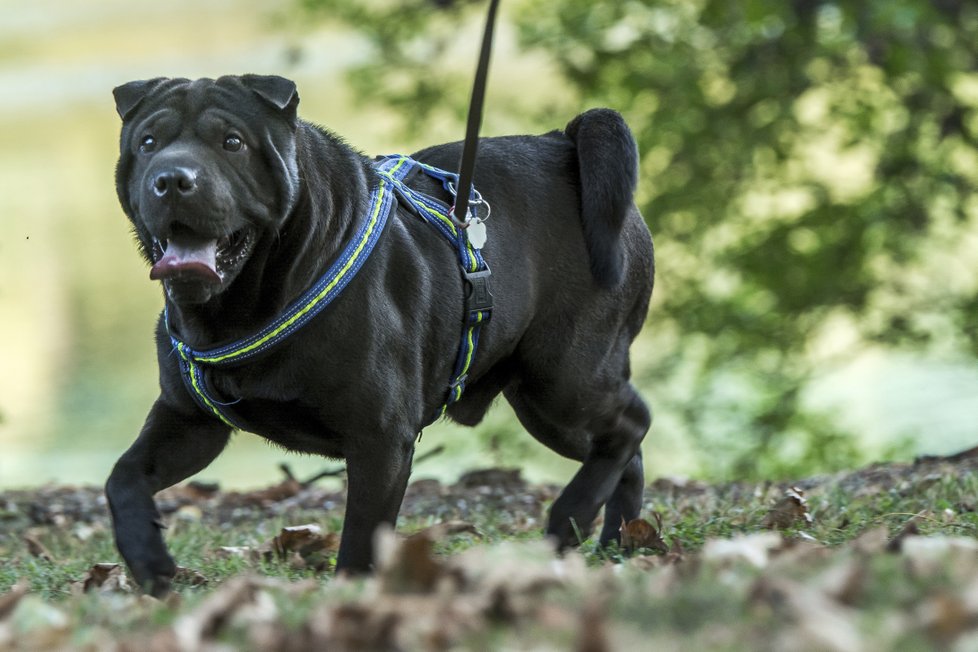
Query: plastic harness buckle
{"points": [[478, 298]]}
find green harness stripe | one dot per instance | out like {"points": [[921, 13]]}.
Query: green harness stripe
{"points": [[323, 292], [192, 372], [305, 309], [475, 271], [392, 170]]}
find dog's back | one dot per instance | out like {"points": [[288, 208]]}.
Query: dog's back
{"points": [[573, 268]]}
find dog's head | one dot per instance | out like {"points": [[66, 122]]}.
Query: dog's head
{"points": [[206, 168]]}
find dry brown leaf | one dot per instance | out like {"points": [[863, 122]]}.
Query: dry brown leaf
{"points": [[356, 627], [50, 627], [192, 513], [945, 618], [639, 533], [9, 600], [592, 636], [820, 622], [209, 619], [246, 552], [189, 576], [909, 529], [871, 541], [930, 556], [754, 549], [788, 512], [197, 490], [676, 552], [493, 477], [304, 545], [36, 548], [845, 581], [276, 493], [412, 567], [105, 578]]}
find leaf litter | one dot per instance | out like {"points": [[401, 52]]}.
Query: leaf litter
{"points": [[878, 558]]}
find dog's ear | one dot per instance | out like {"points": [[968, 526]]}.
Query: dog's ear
{"points": [[277, 91], [128, 96]]}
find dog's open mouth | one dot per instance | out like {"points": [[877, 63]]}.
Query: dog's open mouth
{"points": [[192, 257]]}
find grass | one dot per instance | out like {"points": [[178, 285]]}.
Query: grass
{"points": [[890, 561]]}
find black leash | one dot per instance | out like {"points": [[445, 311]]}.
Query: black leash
{"points": [[460, 211]]}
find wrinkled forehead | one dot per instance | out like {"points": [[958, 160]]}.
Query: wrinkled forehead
{"points": [[200, 100], [203, 96]]}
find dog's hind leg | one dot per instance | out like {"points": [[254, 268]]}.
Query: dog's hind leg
{"points": [[611, 470], [171, 447], [625, 502]]}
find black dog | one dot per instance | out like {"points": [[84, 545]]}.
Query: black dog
{"points": [[241, 207]]}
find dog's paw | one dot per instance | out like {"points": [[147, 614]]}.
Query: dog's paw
{"points": [[154, 576]]}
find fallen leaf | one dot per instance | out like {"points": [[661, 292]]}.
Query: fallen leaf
{"points": [[10, 599], [412, 567], [209, 619], [789, 511], [189, 576], [821, 623], [192, 513], [910, 528], [639, 533], [356, 627], [245, 552], [305, 545], [104, 577], [202, 490], [591, 636], [676, 552], [38, 625], [871, 541], [276, 493], [846, 580], [36, 548], [85, 531], [754, 549], [945, 618], [931, 556], [495, 477]]}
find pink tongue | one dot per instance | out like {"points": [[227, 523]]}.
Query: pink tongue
{"points": [[188, 258]]}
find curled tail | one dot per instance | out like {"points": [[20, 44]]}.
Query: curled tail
{"points": [[608, 161]]}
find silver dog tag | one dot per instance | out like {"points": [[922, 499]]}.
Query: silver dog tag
{"points": [[476, 232]]}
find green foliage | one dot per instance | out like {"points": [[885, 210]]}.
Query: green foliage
{"points": [[806, 166]]}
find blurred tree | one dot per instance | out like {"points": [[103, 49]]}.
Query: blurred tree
{"points": [[807, 172]]}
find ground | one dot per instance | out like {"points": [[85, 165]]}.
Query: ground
{"points": [[885, 557]]}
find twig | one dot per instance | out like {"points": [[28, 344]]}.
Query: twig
{"points": [[437, 450], [341, 470]]}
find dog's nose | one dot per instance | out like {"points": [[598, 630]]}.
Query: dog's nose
{"points": [[174, 182]]}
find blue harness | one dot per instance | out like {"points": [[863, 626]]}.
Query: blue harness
{"points": [[392, 170]]}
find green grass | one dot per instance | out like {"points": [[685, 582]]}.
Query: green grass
{"points": [[499, 587]]}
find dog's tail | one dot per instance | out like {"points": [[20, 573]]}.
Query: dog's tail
{"points": [[608, 160]]}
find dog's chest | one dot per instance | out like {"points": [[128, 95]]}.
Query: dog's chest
{"points": [[270, 404]]}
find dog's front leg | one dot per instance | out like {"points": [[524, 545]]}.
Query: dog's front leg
{"points": [[377, 475], [171, 447]]}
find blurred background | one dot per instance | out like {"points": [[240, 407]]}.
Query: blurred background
{"points": [[808, 173]]}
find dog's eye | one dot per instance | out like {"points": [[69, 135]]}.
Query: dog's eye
{"points": [[147, 144], [232, 143]]}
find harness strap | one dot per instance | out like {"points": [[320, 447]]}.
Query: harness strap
{"points": [[475, 270], [392, 170], [193, 362]]}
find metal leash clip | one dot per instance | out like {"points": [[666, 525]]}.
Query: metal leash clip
{"points": [[473, 225]]}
